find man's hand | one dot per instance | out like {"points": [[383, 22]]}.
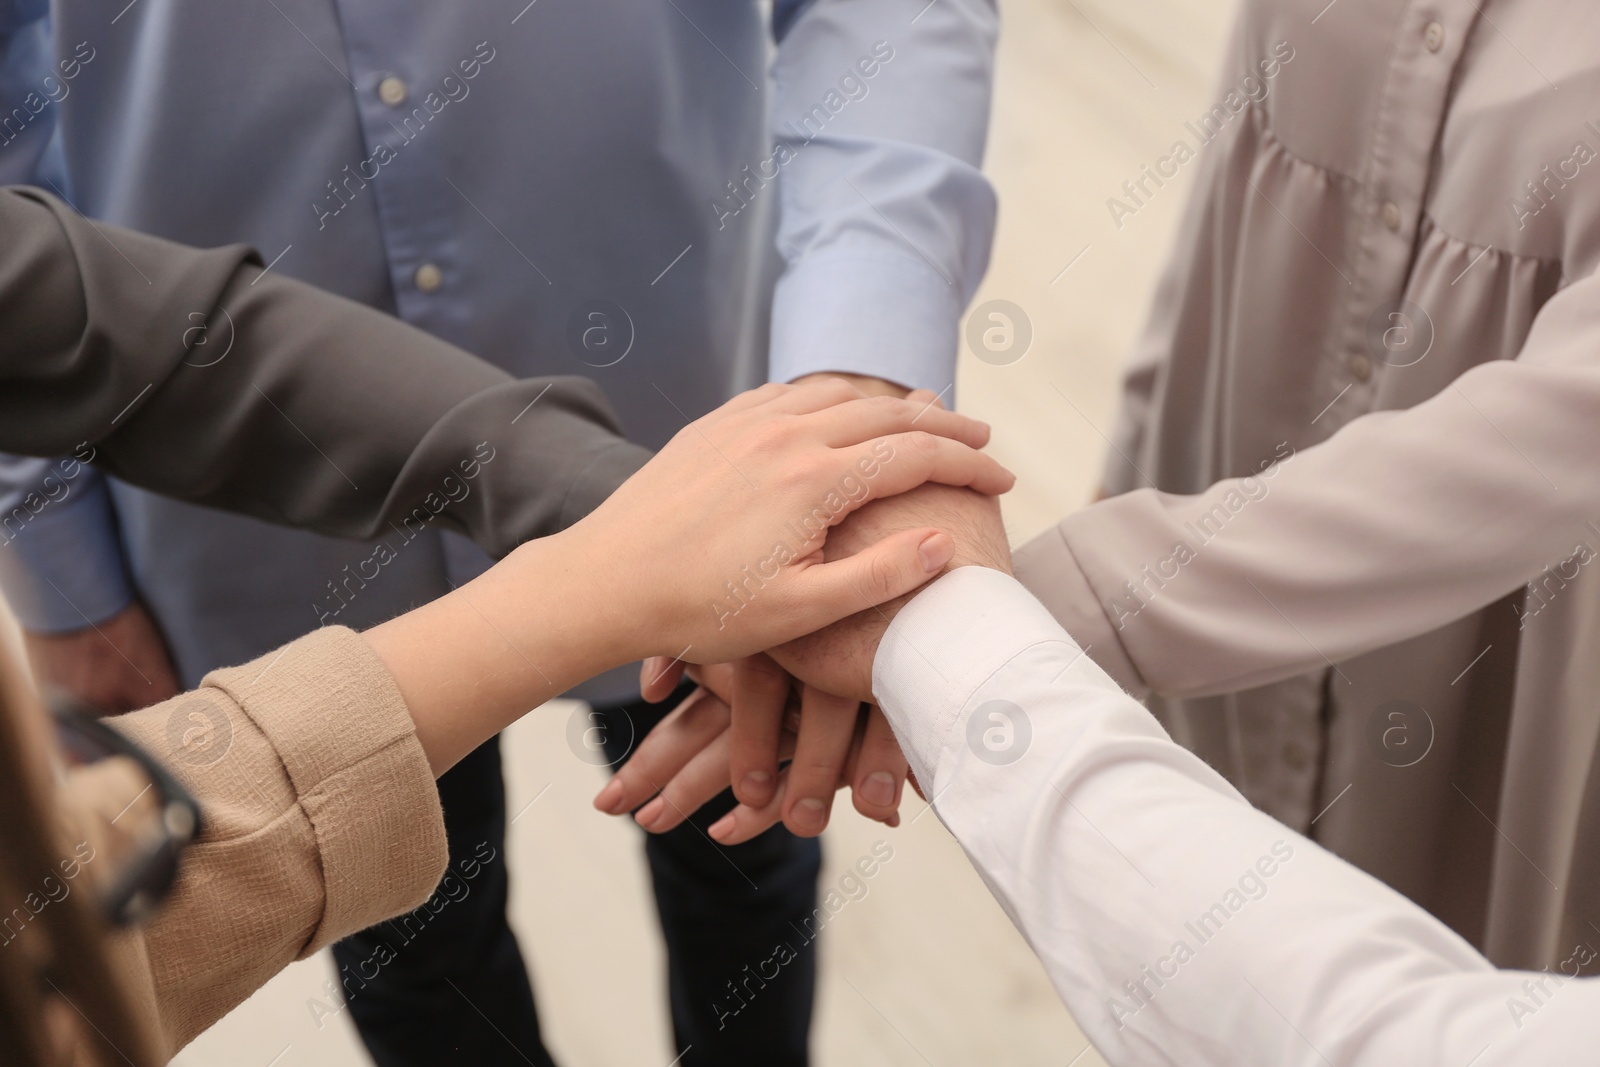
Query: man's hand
{"points": [[829, 727], [702, 749], [848, 745], [117, 666], [838, 659]]}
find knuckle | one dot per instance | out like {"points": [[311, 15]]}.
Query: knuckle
{"points": [[812, 771], [891, 405], [804, 472], [838, 390], [768, 435], [702, 711], [881, 751], [921, 443], [883, 577], [868, 808]]}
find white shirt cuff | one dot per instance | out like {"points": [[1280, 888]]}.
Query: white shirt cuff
{"points": [[942, 646]]}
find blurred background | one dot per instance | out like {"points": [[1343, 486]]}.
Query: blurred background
{"points": [[924, 969]]}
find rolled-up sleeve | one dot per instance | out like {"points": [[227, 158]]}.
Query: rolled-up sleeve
{"points": [[320, 819]]}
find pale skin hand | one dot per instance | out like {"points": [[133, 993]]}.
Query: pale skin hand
{"points": [[838, 742], [696, 765], [618, 586], [116, 665]]}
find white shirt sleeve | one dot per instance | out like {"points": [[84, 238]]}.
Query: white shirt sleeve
{"points": [[1179, 924]]}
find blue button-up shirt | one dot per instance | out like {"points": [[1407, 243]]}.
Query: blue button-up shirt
{"points": [[666, 196]]}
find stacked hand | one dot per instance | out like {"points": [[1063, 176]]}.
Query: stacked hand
{"points": [[711, 553], [807, 701]]}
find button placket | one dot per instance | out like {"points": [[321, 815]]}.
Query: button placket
{"points": [[1409, 119], [419, 240]]}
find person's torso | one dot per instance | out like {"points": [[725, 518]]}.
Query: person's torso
{"points": [[1410, 185], [493, 173], [539, 184]]}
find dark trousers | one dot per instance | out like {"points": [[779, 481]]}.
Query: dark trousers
{"points": [[448, 985]]}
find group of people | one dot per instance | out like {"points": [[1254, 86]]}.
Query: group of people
{"points": [[312, 556]]}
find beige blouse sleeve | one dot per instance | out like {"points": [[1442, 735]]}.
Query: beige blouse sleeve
{"points": [[1397, 524], [320, 818]]}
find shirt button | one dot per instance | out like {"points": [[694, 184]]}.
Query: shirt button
{"points": [[428, 277], [1360, 367], [1391, 216], [1433, 37], [392, 91], [1296, 756]]}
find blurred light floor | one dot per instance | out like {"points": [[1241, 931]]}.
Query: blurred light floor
{"points": [[925, 969]]}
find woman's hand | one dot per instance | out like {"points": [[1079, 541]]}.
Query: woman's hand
{"points": [[830, 743], [713, 550]]}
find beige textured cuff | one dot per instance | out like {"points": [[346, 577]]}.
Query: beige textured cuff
{"points": [[332, 712], [1048, 569]]}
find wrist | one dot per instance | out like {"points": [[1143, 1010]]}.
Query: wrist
{"points": [[864, 382], [474, 661], [562, 590]]}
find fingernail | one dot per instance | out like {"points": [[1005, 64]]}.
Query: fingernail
{"points": [[609, 799], [722, 828], [935, 551], [810, 815], [648, 814], [755, 782], [878, 789]]}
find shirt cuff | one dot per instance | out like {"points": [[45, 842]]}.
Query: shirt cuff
{"points": [[331, 711], [942, 646], [1049, 570], [871, 313], [61, 568]]}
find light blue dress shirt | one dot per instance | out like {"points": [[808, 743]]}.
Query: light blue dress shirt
{"points": [[678, 198]]}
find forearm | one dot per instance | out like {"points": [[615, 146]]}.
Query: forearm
{"points": [[319, 818], [195, 375], [1401, 522], [1179, 924], [471, 663]]}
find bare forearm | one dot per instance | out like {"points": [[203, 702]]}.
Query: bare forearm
{"points": [[473, 662], [618, 586]]}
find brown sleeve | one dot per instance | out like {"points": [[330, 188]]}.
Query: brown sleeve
{"points": [[1401, 522], [191, 373], [320, 818]]}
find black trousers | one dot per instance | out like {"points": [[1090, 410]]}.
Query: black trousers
{"points": [[446, 983]]}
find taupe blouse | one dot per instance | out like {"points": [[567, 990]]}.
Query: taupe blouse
{"points": [[1368, 403]]}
